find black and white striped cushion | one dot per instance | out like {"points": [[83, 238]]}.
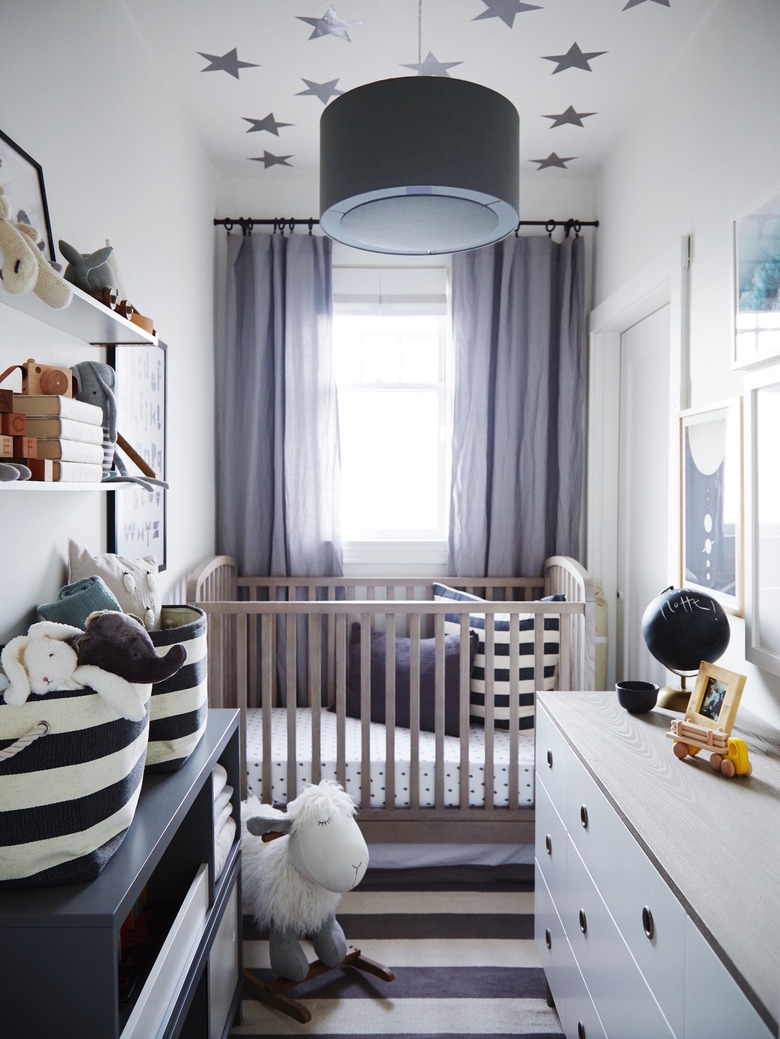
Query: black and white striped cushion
{"points": [[179, 705], [526, 687], [68, 797]]}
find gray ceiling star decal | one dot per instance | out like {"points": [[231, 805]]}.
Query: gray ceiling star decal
{"points": [[636, 3], [505, 10], [574, 58], [226, 63], [330, 25], [432, 67], [268, 159], [268, 123], [568, 118], [324, 91], [553, 160]]}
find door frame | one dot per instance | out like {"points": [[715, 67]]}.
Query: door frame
{"points": [[662, 282]]}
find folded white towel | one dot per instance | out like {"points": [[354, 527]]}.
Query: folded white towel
{"points": [[219, 778], [222, 818], [223, 799], [223, 842]]}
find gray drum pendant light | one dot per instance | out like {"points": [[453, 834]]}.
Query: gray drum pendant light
{"points": [[419, 164]]}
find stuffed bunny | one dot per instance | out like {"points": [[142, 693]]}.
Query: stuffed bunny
{"points": [[89, 271], [25, 267], [43, 661]]}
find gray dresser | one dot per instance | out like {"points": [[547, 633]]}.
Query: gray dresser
{"points": [[657, 880]]}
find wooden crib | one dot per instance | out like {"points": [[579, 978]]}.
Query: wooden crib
{"points": [[270, 635]]}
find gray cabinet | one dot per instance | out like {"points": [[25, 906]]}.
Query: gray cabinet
{"points": [[656, 908], [58, 946]]}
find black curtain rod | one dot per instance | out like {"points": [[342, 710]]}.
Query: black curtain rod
{"points": [[281, 223]]}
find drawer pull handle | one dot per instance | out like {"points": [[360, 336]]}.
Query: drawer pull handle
{"points": [[583, 922], [648, 924], [548, 844], [549, 759], [547, 938], [584, 816], [581, 1030]]}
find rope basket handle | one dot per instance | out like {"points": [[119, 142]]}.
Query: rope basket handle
{"points": [[24, 741]]}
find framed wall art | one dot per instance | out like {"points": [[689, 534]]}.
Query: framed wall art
{"points": [[136, 516], [757, 283], [762, 518], [21, 178], [711, 469]]}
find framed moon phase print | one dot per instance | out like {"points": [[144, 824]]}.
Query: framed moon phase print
{"points": [[136, 515], [711, 467]]}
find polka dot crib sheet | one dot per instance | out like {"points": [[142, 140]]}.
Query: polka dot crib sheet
{"points": [[402, 756]]}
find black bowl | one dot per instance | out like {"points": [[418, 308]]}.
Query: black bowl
{"points": [[637, 697]]}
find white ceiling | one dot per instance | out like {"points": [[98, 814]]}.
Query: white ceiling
{"points": [[288, 51]]}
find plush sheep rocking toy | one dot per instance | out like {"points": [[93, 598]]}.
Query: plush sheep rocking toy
{"points": [[294, 884]]}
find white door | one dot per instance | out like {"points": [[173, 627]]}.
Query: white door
{"points": [[643, 489]]}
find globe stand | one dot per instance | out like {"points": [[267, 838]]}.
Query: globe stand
{"points": [[674, 699]]}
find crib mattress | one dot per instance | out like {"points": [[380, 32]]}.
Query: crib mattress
{"points": [[402, 758]]}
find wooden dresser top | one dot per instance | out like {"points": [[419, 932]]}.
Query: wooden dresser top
{"points": [[715, 841]]}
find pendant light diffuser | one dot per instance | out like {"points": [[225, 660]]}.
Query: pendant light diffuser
{"points": [[419, 165]]}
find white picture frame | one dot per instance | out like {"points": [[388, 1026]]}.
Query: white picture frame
{"points": [[711, 544], [756, 288], [762, 518]]}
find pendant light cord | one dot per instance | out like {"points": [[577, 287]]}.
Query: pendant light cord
{"points": [[419, 37]]}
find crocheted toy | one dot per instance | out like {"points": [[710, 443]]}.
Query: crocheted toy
{"points": [[294, 884], [25, 266], [89, 271]]}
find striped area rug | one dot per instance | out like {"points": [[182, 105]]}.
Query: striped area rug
{"points": [[460, 944]]}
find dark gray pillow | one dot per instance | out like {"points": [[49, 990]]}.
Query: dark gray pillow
{"points": [[402, 684]]}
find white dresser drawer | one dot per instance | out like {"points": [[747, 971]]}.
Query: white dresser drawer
{"points": [[714, 1004], [552, 752], [552, 947], [550, 843], [648, 915], [619, 992]]}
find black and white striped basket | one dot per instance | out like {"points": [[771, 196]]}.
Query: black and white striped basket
{"points": [[179, 705], [70, 777]]}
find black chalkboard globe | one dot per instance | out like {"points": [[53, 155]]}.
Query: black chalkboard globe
{"points": [[683, 626]]}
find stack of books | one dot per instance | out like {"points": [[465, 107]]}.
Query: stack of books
{"points": [[63, 438]]}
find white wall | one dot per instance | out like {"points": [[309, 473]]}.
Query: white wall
{"points": [[81, 96], [704, 149]]}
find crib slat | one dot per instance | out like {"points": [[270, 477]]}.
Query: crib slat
{"points": [[438, 780], [490, 694], [291, 681], [514, 707], [268, 638], [341, 693], [414, 710], [315, 692], [241, 690], [389, 711], [464, 707]]}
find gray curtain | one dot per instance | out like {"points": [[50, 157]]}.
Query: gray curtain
{"points": [[519, 410], [278, 465]]}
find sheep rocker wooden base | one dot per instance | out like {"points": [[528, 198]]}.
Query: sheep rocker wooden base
{"points": [[293, 885]]}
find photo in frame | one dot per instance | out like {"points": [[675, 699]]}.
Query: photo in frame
{"points": [[711, 534], [21, 178], [136, 516], [762, 518], [757, 283], [715, 698]]}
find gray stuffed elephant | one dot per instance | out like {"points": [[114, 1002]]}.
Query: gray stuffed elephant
{"points": [[96, 384], [118, 642]]}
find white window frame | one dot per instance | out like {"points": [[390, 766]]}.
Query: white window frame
{"points": [[404, 289]]}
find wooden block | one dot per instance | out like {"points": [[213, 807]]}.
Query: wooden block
{"points": [[25, 447], [6, 447], [13, 424], [6, 400], [42, 469]]}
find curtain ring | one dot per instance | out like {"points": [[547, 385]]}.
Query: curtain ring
{"points": [[577, 228], [228, 226], [250, 226], [517, 229], [550, 227], [276, 224], [311, 224], [291, 224]]}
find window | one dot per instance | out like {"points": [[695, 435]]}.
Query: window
{"points": [[394, 407]]}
